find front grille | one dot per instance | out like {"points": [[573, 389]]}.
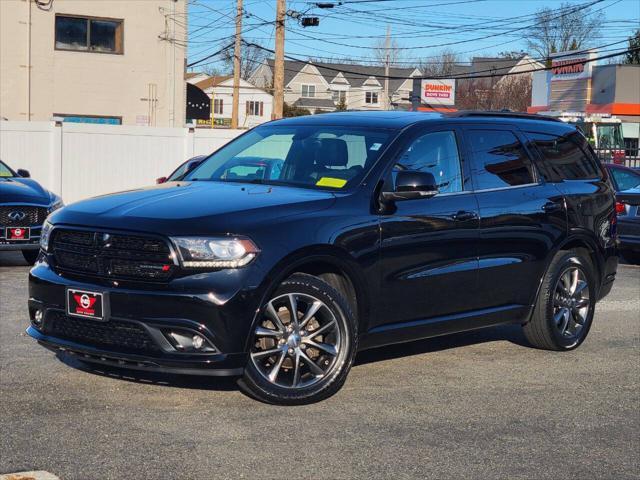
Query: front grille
{"points": [[112, 335], [32, 215], [111, 255]]}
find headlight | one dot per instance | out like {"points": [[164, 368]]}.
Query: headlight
{"points": [[45, 233], [223, 252]]}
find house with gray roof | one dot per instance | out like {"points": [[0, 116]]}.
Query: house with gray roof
{"points": [[503, 69], [323, 86]]}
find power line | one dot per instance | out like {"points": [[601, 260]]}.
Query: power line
{"points": [[447, 44], [468, 76]]}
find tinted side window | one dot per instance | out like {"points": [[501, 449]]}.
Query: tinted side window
{"points": [[499, 160], [436, 153], [625, 179], [563, 159]]}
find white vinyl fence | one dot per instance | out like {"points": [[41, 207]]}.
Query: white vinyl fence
{"points": [[77, 161]]}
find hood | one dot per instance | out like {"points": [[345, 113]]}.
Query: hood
{"points": [[23, 190], [194, 208]]}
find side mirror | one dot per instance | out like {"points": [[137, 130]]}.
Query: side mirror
{"points": [[23, 173], [412, 185], [161, 180]]}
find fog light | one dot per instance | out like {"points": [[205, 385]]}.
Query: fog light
{"points": [[197, 341], [37, 318], [185, 341]]}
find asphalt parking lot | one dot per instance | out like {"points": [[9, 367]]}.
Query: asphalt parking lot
{"points": [[479, 405]]}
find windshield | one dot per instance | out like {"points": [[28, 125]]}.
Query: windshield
{"points": [[609, 136], [305, 156], [5, 171]]}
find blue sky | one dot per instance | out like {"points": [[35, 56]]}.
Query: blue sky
{"points": [[422, 28]]}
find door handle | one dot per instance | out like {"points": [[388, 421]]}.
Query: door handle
{"points": [[463, 216], [552, 207]]}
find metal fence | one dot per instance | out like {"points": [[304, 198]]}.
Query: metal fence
{"points": [[629, 157]]}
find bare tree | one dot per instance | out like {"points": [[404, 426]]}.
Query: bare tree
{"points": [[633, 55], [441, 64], [512, 93], [211, 70], [396, 54], [251, 58], [566, 28]]}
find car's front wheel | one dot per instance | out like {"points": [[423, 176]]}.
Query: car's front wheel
{"points": [[303, 343]]}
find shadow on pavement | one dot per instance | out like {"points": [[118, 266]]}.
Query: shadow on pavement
{"points": [[153, 378], [510, 333]]}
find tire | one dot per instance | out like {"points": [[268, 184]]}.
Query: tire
{"points": [[564, 309], [30, 256], [291, 364]]}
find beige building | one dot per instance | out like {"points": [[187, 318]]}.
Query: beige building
{"points": [[107, 61]]}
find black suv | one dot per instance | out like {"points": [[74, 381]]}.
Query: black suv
{"points": [[380, 228]]}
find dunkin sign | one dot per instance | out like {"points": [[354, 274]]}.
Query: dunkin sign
{"points": [[438, 92], [565, 66]]}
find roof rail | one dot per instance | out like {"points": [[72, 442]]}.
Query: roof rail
{"points": [[505, 114]]}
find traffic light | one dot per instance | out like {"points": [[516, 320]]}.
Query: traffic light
{"points": [[310, 21]]}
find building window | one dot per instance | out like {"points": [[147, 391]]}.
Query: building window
{"points": [[255, 108], [89, 34], [371, 97], [339, 96], [79, 118], [218, 106], [308, 91]]}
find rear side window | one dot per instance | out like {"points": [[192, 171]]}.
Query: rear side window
{"points": [[562, 158], [499, 160]]}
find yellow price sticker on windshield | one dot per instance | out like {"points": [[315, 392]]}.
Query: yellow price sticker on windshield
{"points": [[331, 182]]}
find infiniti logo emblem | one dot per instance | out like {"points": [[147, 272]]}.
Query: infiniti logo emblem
{"points": [[17, 215]]}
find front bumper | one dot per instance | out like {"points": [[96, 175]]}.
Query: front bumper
{"points": [[629, 243], [212, 304], [18, 246], [32, 244], [214, 365], [629, 233]]}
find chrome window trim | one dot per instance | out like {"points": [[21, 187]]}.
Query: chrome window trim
{"points": [[510, 187]]}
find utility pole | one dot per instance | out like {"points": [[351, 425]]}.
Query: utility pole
{"points": [[387, 50], [237, 52], [278, 67]]}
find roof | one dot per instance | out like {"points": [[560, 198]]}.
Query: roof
{"points": [[482, 65], [314, 103], [396, 120], [381, 119], [356, 77], [212, 81], [189, 75]]}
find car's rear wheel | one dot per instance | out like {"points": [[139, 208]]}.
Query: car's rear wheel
{"points": [[632, 256], [30, 256], [564, 311], [303, 343]]}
